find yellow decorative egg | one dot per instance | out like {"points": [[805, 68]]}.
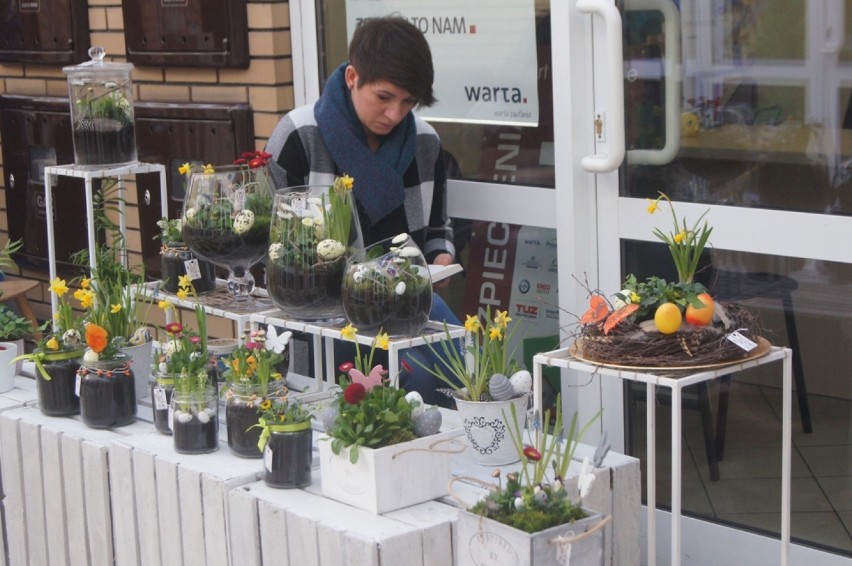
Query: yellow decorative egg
{"points": [[689, 125]]}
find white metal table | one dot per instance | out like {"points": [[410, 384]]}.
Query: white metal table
{"points": [[88, 174], [676, 381]]}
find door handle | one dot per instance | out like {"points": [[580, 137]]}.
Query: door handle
{"points": [[614, 78], [672, 78]]}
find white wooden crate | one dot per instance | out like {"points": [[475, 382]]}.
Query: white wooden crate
{"points": [[56, 471], [178, 502]]}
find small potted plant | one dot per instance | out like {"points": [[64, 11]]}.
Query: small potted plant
{"points": [[388, 286], [176, 259], [285, 441], [107, 382], [372, 457], [183, 354], [194, 408], [58, 354], [13, 328], [484, 383], [252, 376], [535, 516]]}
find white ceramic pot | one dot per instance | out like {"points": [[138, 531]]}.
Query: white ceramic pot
{"points": [[8, 351], [486, 426]]}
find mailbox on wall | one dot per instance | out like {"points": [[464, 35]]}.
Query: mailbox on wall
{"points": [[36, 133], [173, 134], [197, 33], [44, 31]]}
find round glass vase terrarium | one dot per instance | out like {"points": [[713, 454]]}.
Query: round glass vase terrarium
{"points": [[102, 123], [387, 286], [57, 396], [107, 392], [242, 417], [195, 421], [226, 220], [177, 260], [313, 230]]}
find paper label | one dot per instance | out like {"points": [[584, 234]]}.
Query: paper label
{"points": [[299, 206], [563, 553], [77, 385], [192, 269], [267, 458], [160, 399], [171, 418], [742, 341]]}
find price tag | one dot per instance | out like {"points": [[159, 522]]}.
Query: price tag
{"points": [[192, 269], [77, 385], [239, 198], [563, 553], [267, 458], [299, 206], [160, 402], [171, 418], [742, 341]]}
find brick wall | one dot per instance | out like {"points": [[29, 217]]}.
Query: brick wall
{"points": [[267, 84]]}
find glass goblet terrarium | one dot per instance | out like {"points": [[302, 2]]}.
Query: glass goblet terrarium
{"points": [[226, 219]]}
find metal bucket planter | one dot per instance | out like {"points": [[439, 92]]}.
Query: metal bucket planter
{"points": [[487, 429]]}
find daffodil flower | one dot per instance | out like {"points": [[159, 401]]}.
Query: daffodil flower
{"points": [[472, 324], [653, 205], [502, 319], [680, 237], [382, 341], [115, 308], [58, 287], [495, 333], [208, 169], [185, 281], [182, 293], [348, 332], [53, 343], [348, 182], [85, 282], [165, 304], [183, 169]]}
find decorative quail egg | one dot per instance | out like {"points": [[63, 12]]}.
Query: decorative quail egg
{"points": [[330, 249], [190, 214], [275, 251], [412, 396], [72, 338], [500, 388], [91, 356], [243, 221], [521, 382]]}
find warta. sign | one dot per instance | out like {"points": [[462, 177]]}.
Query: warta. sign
{"points": [[484, 53]]}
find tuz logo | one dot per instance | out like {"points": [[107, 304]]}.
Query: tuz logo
{"points": [[501, 94], [526, 311], [524, 286]]}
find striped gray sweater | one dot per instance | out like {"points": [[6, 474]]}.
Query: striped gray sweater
{"points": [[299, 157]]}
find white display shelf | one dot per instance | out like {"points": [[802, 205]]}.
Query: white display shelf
{"points": [[676, 381], [88, 174]]}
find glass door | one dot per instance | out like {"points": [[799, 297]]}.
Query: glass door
{"points": [[742, 109]]}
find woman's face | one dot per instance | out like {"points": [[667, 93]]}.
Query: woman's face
{"points": [[380, 106]]}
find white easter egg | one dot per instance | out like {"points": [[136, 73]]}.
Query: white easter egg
{"points": [[521, 382]]}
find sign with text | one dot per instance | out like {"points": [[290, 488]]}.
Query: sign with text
{"points": [[483, 51]]}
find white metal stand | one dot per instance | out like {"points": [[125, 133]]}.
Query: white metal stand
{"points": [[88, 174], [676, 381]]}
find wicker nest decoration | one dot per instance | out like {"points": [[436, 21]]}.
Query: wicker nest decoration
{"points": [[639, 344]]}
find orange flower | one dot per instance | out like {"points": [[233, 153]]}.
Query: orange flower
{"points": [[96, 337]]}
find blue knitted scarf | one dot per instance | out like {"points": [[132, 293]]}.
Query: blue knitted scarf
{"points": [[378, 185]]}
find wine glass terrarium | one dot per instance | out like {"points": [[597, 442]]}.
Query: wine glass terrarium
{"points": [[226, 217]]}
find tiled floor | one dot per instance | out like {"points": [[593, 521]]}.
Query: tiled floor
{"points": [[747, 494]]}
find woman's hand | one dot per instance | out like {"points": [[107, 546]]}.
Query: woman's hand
{"points": [[442, 259]]}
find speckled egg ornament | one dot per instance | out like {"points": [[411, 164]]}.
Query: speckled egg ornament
{"points": [[243, 221], [427, 422], [500, 387], [521, 382]]}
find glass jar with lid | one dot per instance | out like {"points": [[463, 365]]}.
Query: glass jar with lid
{"points": [[102, 120]]}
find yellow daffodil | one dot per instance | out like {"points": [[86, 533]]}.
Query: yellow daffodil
{"points": [[208, 169], [495, 333], [679, 237], [653, 205], [85, 282], [58, 287], [501, 319], [252, 362], [165, 304], [80, 293], [182, 293], [115, 308], [382, 341], [348, 182], [87, 300], [348, 332], [53, 343], [265, 404], [471, 323], [185, 281], [183, 169]]}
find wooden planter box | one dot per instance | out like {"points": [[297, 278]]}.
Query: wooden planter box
{"points": [[481, 541], [389, 478]]}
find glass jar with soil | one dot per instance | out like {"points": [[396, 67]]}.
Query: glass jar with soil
{"points": [[195, 421], [56, 380], [107, 392], [177, 260], [287, 455], [242, 402]]}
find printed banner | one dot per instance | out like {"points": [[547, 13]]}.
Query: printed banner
{"points": [[484, 53]]}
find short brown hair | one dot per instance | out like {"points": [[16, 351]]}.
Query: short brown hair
{"points": [[393, 49]]}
